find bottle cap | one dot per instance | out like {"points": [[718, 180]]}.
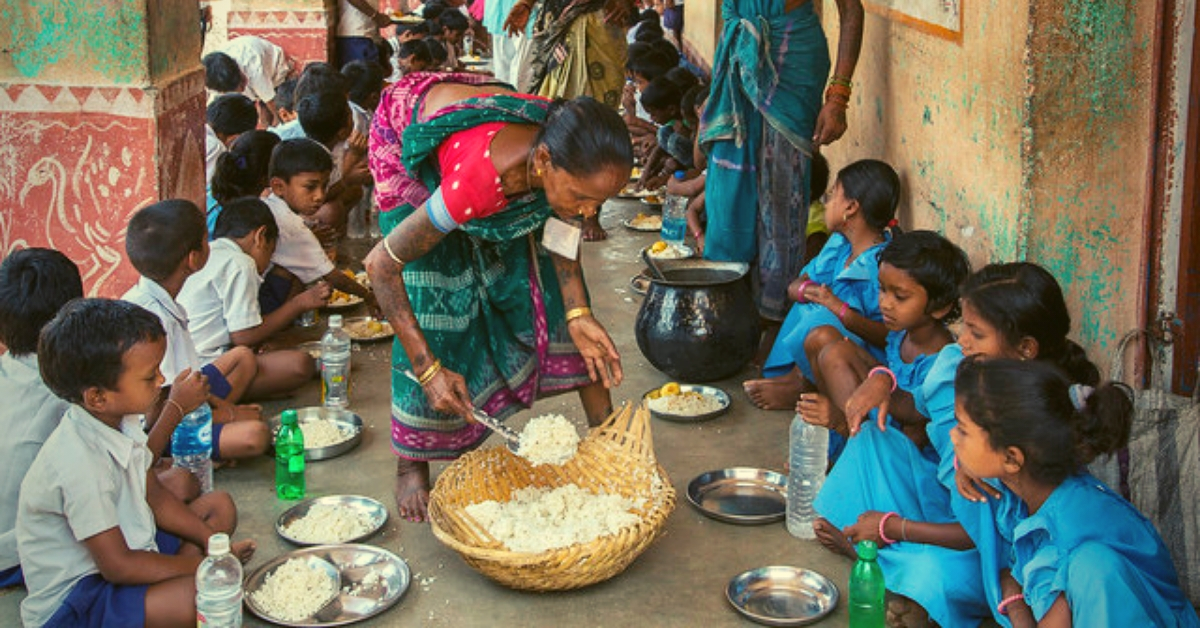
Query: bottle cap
{"points": [[288, 417], [680, 174], [218, 544], [867, 550], [335, 320]]}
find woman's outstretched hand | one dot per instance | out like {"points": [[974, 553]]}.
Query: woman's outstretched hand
{"points": [[597, 349], [447, 392], [831, 123]]}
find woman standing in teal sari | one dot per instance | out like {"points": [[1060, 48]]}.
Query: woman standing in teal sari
{"points": [[468, 173]]}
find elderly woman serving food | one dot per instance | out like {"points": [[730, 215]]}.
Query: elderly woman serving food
{"points": [[478, 185]]}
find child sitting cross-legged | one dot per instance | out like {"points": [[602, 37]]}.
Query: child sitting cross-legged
{"points": [[167, 242], [102, 543], [222, 299]]}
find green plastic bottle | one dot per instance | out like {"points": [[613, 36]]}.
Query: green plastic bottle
{"points": [[867, 607], [289, 458]]}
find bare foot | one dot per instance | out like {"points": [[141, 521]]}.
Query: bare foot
{"points": [[244, 550], [816, 409], [832, 538], [775, 393], [592, 231], [412, 489]]}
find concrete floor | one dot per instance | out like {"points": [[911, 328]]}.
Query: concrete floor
{"points": [[678, 581]]}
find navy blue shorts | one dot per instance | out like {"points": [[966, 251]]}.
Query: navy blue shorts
{"points": [[217, 384], [356, 49], [94, 602], [11, 577]]}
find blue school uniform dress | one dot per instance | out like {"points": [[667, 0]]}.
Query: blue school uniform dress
{"points": [[1092, 546], [884, 471], [857, 285]]}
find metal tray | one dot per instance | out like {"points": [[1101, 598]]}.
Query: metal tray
{"points": [[356, 600], [709, 391], [375, 510], [653, 202], [782, 596], [384, 335], [740, 495], [344, 418], [632, 226], [312, 348], [685, 251], [353, 300]]}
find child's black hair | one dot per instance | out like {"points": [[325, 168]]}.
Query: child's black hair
{"points": [[650, 65], [691, 99], [416, 49], [661, 94], [365, 80], [285, 94], [296, 156], [324, 116], [221, 73], [453, 21], [583, 135], [319, 77], [1022, 299], [818, 178], [242, 171], [232, 114], [666, 50], [83, 346], [1029, 405], [34, 285], [648, 32], [437, 51], [243, 216], [160, 236], [433, 10], [934, 262], [876, 187], [682, 78], [648, 15]]}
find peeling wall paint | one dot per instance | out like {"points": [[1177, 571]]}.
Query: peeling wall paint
{"points": [[103, 40]]}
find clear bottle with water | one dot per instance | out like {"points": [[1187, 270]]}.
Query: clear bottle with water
{"points": [[808, 456], [192, 444], [867, 591], [335, 365], [468, 44], [674, 216], [219, 586]]}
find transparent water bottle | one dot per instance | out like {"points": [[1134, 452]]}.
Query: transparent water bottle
{"points": [[468, 43], [219, 587], [867, 605], [808, 455], [191, 445], [335, 365], [674, 216], [289, 458]]}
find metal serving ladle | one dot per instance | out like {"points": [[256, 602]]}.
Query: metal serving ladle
{"points": [[510, 436]]}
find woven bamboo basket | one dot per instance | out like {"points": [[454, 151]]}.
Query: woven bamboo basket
{"points": [[617, 458]]}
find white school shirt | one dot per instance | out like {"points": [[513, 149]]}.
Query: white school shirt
{"points": [[264, 64], [213, 149], [298, 250], [181, 352], [352, 22], [29, 414], [222, 298], [87, 479]]}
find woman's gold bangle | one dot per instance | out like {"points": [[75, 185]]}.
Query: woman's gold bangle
{"points": [[388, 247], [578, 312], [430, 372]]}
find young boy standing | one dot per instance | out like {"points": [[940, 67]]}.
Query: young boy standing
{"points": [[91, 517]]}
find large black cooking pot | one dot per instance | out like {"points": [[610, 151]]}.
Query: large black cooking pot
{"points": [[698, 323]]}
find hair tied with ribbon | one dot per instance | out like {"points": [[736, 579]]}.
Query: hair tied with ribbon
{"points": [[893, 223], [1079, 395]]}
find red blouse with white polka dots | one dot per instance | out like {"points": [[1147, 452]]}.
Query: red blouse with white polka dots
{"points": [[470, 184]]}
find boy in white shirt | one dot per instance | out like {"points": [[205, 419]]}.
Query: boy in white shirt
{"points": [[167, 242], [91, 516], [222, 299], [251, 65]]}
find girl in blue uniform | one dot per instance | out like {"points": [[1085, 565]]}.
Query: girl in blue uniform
{"points": [[839, 289], [1081, 555]]}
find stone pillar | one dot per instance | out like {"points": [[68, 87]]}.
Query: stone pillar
{"points": [[303, 28], [101, 112]]}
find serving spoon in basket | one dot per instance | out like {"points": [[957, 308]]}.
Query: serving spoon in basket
{"points": [[510, 436]]}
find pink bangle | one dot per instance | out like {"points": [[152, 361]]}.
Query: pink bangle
{"points": [[800, 298], [1002, 607], [842, 313], [888, 371], [882, 521]]}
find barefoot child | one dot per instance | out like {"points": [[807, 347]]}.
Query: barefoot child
{"points": [[888, 461], [102, 543], [838, 292], [1081, 555]]}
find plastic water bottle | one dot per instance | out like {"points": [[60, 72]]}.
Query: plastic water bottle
{"points": [[335, 365], [191, 445], [219, 587], [468, 43], [867, 609], [674, 216], [289, 458], [808, 455]]}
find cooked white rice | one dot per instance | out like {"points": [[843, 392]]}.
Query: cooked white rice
{"points": [[538, 519], [330, 523], [687, 403], [322, 433], [548, 439], [671, 252], [294, 591]]}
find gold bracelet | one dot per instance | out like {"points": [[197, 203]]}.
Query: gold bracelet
{"points": [[578, 312], [387, 247], [430, 372]]}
